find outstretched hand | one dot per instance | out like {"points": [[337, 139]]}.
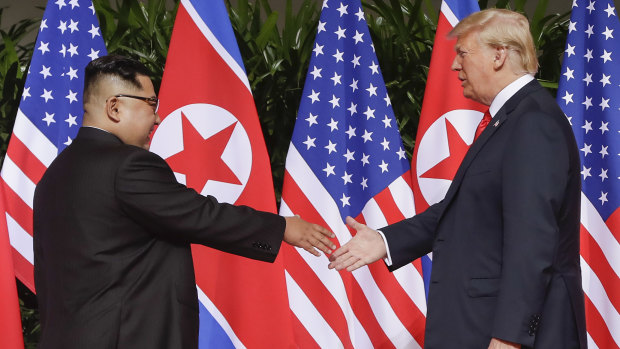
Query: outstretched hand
{"points": [[306, 235], [500, 344], [365, 247]]}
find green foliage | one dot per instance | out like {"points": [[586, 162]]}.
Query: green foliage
{"points": [[276, 62], [276, 48], [14, 59], [30, 316], [549, 32], [138, 29], [403, 34]]}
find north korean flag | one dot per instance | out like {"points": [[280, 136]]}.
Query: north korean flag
{"points": [[211, 137]]}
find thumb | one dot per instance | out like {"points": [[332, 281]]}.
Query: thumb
{"points": [[354, 224]]}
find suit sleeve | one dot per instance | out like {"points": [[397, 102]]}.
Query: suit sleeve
{"points": [[534, 181], [412, 238], [149, 193]]}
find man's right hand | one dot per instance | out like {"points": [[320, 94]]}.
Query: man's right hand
{"points": [[306, 235], [367, 246]]}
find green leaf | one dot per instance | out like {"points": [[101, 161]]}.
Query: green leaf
{"points": [[267, 30]]}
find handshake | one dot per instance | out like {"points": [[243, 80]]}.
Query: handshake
{"points": [[367, 246]]}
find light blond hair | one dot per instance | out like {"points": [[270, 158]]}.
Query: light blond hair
{"points": [[502, 28]]}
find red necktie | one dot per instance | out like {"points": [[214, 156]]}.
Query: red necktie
{"points": [[486, 119]]}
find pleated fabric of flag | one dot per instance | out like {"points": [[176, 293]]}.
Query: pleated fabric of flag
{"points": [[48, 118], [346, 158], [589, 95], [211, 137]]}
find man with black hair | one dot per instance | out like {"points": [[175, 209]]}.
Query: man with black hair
{"points": [[113, 227]]}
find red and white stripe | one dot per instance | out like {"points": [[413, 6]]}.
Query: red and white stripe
{"points": [[28, 155], [370, 307], [600, 267]]}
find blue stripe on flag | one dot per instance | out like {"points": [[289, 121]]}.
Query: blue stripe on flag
{"points": [[215, 16], [427, 267], [462, 9], [211, 334]]}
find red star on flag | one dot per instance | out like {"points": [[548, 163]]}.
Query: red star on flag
{"points": [[210, 150], [446, 169]]}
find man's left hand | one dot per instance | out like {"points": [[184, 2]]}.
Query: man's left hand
{"points": [[500, 344]]}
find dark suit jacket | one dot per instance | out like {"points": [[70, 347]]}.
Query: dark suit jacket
{"points": [[505, 239], [112, 259]]}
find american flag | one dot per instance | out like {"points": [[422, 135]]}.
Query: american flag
{"points": [[588, 94], [346, 158], [211, 137], [448, 120], [48, 118]]}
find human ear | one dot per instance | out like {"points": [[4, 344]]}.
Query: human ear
{"points": [[111, 108], [499, 57]]}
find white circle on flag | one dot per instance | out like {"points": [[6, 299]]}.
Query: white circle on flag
{"points": [[208, 120], [434, 148]]}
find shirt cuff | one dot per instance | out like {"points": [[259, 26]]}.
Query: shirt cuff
{"points": [[388, 259]]}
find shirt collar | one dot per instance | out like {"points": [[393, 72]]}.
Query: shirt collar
{"points": [[504, 95]]}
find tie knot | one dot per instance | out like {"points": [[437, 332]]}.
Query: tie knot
{"points": [[486, 119]]}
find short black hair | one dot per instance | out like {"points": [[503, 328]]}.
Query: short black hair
{"points": [[125, 68]]}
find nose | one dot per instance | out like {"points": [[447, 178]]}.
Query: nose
{"points": [[456, 65], [157, 119]]}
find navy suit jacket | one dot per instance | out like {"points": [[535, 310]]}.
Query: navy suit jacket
{"points": [[112, 260], [505, 239]]}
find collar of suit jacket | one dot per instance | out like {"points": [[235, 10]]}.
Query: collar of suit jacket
{"points": [[89, 132], [504, 95]]}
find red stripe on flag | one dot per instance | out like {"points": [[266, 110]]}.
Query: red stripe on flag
{"points": [[597, 327], [17, 208], [302, 338], [393, 215], [388, 207], [226, 279], [10, 321], [364, 313], [24, 271], [613, 222], [22, 214], [404, 307], [25, 160], [318, 295], [299, 204], [312, 286], [593, 255], [417, 264]]}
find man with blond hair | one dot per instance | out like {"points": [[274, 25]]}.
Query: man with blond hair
{"points": [[505, 239]]}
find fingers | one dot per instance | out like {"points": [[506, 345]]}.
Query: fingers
{"points": [[339, 252], [354, 224], [323, 239], [311, 249], [360, 263], [324, 245], [324, 231], [344, 261]]}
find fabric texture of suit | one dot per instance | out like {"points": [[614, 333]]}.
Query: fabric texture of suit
{"points": [[112, 234], [505, 239]]}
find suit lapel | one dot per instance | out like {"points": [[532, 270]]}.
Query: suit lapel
{"points": [[497, 121]]}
